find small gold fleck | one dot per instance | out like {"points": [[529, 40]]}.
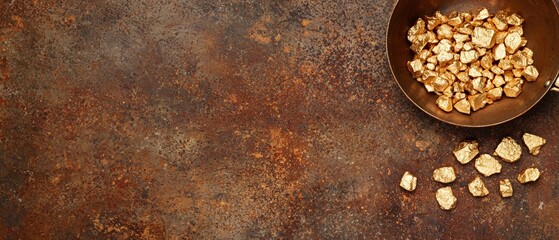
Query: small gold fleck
{"points": [[446, 198], [445, 103], [477, 188], [509, 150], [444, 175], [408, 182], [534, 143], [466, 151], [530, 73], [483, 37], [463, 106], [505, 186], [529, 175], [487, 165]]}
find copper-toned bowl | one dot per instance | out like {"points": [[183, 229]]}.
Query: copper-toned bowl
{"points": [[541, 29]]}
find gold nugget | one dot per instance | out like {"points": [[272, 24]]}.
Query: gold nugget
{"points": [[408, 182], [466, 151], [446, 198], [487, 165], [529, 175], [444, 175], [483, 37], [445, 103], [477, 188], [530, 73], [533, 142], [505, 186], [509, 150]]}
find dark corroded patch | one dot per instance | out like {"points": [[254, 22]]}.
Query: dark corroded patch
{"points": [[235, 119]]}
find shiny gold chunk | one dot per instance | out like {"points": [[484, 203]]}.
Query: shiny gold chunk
{"points": [[515, 20], [528, 52], [458, 47], [488, 86], [475, 72], [432, 23], [455, 21], [497, 70], [481, 51], [477, 84], [445, 57], [416, 68], [487, 61], [483, 37], [505, 64], [509, 150], [465, 30], [488, 74], [517, 73], [408, 182], [445, 103], [468, 46], [495, 93], [500, 37], [432, 59], [505, 186], [423, 55], [500, 21], [509, 77], [420, 42], [432, 37], [463, 77], [477, 188], [417, 29], [529, 175], [513, 88], [463, 106], [478, 101], [466, 151], [499, 52], [427, 74], [444, 45], [444, 31], [467, 16], [498, 81], [530, 73], [487, 165], [516, 29], [446, 198], [482, 14], [468, 56], [533, 142], [524, 42], [444, 175], [430, 66], [512, 42], [442, 18], [454, 67], [459, 37]]}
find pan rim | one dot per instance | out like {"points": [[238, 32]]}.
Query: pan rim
{"points": [[387, 52]]}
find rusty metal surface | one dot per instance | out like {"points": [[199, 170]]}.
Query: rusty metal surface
{"points": [[174, 119]]}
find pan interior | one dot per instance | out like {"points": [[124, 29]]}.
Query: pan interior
{"points": [[541, 29]]}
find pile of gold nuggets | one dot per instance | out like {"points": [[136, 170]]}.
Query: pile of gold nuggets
{"points": [[508, 151], [470, 60]]}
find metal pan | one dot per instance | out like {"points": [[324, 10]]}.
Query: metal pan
{"points": [[541, 29]]}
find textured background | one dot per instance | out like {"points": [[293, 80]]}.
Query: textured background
{"points": [[239, 119]]}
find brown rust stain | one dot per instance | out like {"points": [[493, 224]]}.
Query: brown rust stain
{"points": [[237, 119]]}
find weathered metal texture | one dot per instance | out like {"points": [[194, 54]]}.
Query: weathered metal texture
{"points": [[235, 119]]}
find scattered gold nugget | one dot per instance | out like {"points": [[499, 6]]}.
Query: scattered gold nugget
{"points": [[505, 186], [486, 53], [466, 151], [529, 175], [446, 198], [487, 165], [444, 175], [533, 142], [477, 188], [408, 182], [509, 150]]}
